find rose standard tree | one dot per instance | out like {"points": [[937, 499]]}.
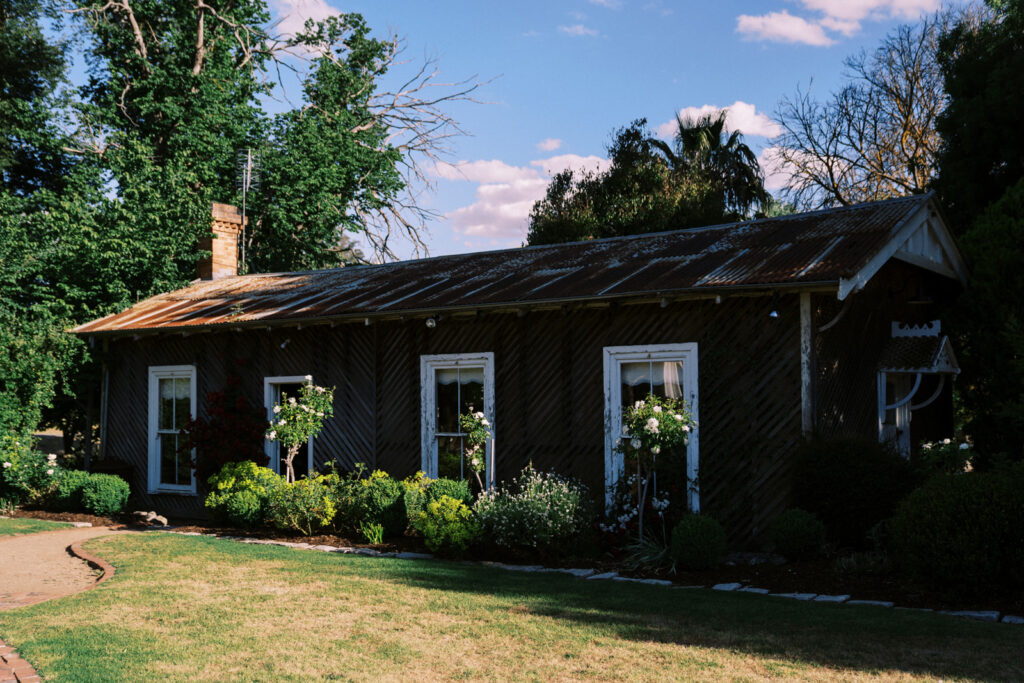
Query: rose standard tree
{"points": [[478, 432], [653, 426], [295, 420]]}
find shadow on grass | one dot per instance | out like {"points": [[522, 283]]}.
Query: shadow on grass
{"points": [[867, 639]]}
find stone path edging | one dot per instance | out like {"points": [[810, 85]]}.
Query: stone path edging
{"points": [[14, 669], [592, 575], [97, 563]]}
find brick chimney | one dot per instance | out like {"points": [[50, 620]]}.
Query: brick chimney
{"points": [[223, 248]]}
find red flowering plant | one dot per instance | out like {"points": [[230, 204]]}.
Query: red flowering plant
{"points": [[232, 431]]}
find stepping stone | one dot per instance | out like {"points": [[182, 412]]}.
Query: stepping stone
{"points": [[832, 598], [649, 582], [414, 556], [794, 596], [979, 615], [751, 589], [915, 609], [81, 525], [1012, 619], [726, 586], [874, 603], [687, 587], [521, 567], [601, 577]]}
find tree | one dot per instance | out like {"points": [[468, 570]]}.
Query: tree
{"points": [[983, 153], [876, 137], [981, 183], [707, 177], [705, 149]]}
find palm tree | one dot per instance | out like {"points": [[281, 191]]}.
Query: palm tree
{"points": [[704, 151]]}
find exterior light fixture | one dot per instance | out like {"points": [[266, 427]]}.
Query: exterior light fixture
{"points": [[431, 322], [286, 342]]}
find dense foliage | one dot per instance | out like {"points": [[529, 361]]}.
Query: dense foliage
{"points": [[964, 533], [797, 534], [26, 476], [305, 506], [850, 485], [104, 494], [448, 526], [296, 420], [708, 176], [698, 542], [240, 493]]}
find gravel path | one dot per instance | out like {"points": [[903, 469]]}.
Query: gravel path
{"points": [[38, 567]]}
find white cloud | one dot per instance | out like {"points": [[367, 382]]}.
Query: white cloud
{"points": [[775, 175], [292, 14], [838, 16], [741, 116], [549, 144], [578, 30], [506, 193], [610, 4], [782, 27]]}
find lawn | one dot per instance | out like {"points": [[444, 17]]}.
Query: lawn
{"points": [[184, 608], [13, 527]]}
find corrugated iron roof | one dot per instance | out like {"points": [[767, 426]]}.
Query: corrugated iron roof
{"points": [[919, 354], [818, 247]]}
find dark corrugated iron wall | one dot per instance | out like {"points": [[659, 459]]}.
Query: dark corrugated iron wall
{"points": [[548, 390]]}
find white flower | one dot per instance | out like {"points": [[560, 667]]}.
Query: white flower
{"points": [[282, 421], [272, 435], [652, 426], [964, 446], [485, 423], [655, 449], [625, 430], [6, 465], [635, 443], [51, 457], [618, 442], [474, 462], [657, 409], [277, 409], [686, 428], [308, 378], [926, 446], [678, 417], [946, 442], [636, 406], [319, 414], [291, 401], [478, 414], [49, 471]]}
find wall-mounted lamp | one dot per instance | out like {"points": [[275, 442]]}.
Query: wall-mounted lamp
{"points": [[286, 342], [432, 322]]}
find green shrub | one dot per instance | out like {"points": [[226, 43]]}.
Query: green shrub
{"points": [[105, 494], [453, 488], [797, 534], [448, 526], [851, 485], [698, 542], [306, 505], [26, 476], [67, 497], [240, 493], [414, 495], [538, 512], [379, 500], [964, 533]]}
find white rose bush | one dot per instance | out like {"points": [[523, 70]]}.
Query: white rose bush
{"points": [[26, 476], [654, 427], [478, 430], [296, 419]]}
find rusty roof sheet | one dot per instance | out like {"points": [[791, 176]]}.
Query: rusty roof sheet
{"points": [[810, 248]]}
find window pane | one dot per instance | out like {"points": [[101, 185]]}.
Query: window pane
{"points": [[668, 379], [636, 382], [447, 382], [168, 459], [449, 457], [184, 459], [182, 401], [165, 404], [472, 393]]}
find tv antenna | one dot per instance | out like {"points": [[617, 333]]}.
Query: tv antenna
{"points": [[247, 178]]}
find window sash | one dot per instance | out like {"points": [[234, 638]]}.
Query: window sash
{"points": [[160, 463]]}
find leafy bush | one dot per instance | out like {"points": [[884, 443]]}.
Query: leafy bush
{"points": [[105, 494], [448, 526], [67, 496], [306, 505], [414, 495], [539, 511], [797, 534], [26, 476], [372, 533], [240, 493], [379, 501], [698, 542], [453, 488], [851, 485], [946, 456], [964, 533]]}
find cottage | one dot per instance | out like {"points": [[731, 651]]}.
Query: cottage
{"points": [[770, 329]]}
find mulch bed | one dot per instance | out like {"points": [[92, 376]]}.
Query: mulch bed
{"points": [[807, 576]]}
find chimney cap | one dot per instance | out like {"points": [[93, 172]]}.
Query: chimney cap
{"points": [[226, 213]]}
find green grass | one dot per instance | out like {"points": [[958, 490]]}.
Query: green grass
{"points": [[190, 608], [13, 527]]}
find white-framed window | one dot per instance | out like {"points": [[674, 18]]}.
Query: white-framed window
{"points": [[450, 385], [172, 402], [273, 388], [633, 372]]}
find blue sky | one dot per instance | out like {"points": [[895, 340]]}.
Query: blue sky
{"points": [[566, 73]]}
